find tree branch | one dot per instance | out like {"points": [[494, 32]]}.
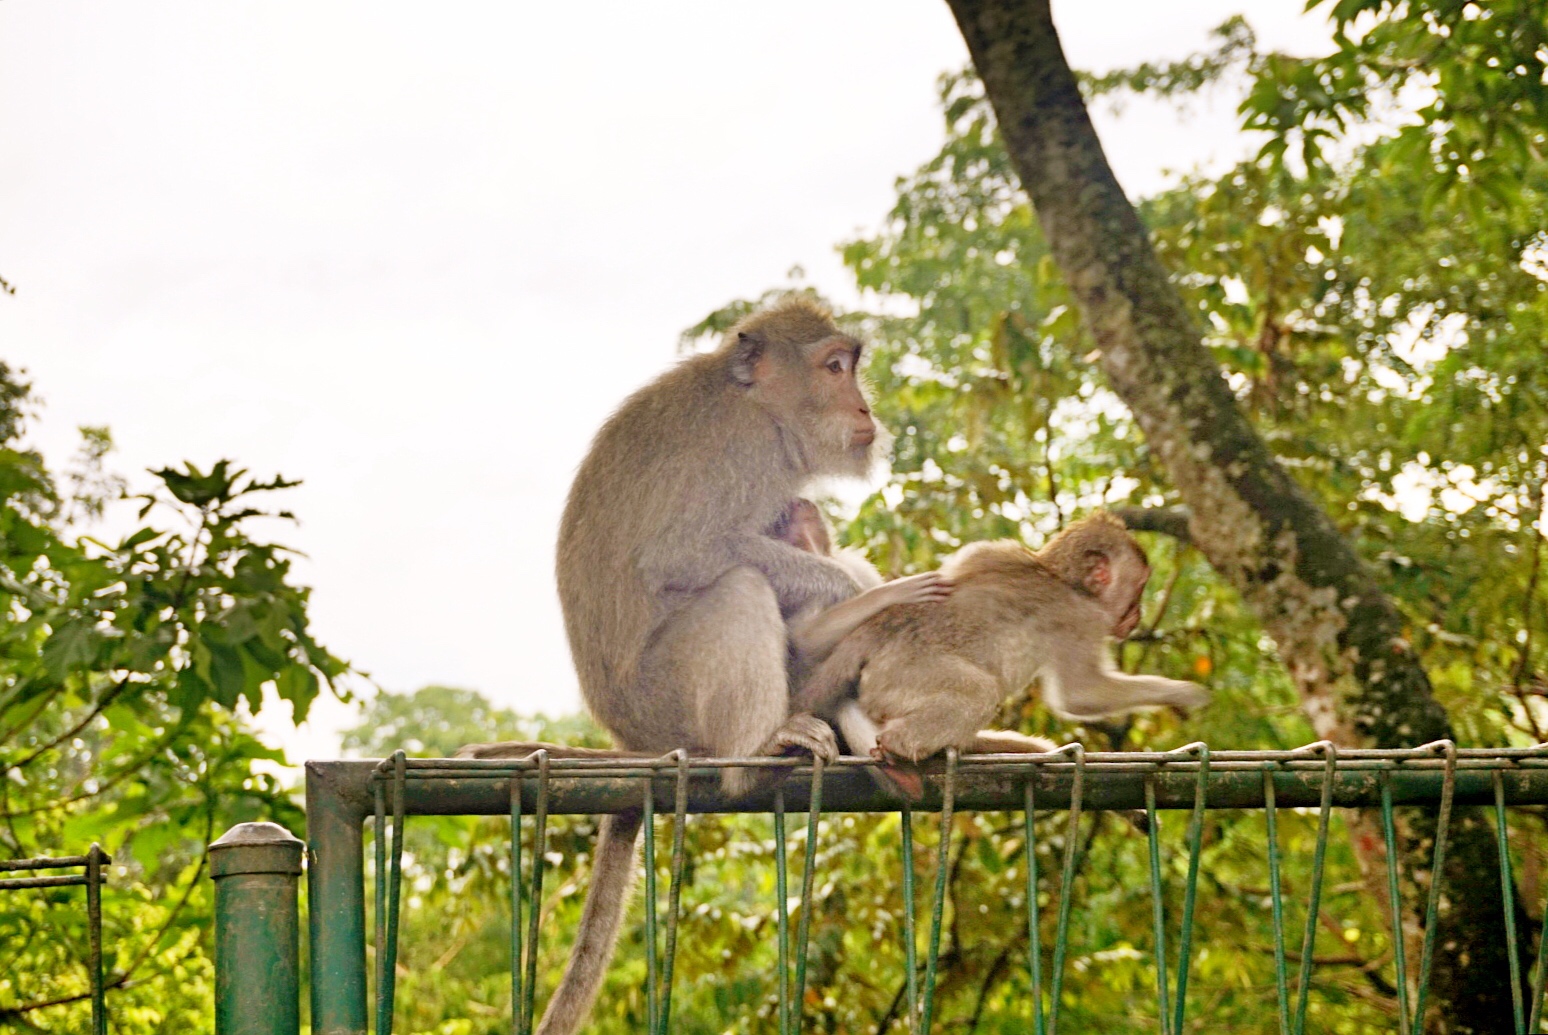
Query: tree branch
{"points": [[1171, 521]]}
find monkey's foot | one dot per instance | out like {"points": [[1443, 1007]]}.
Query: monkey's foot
{"points": [[804, 733], [896, 776]]}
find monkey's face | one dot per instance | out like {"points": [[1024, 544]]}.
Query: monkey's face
{"points": [[1115, 574], [1126, 592], [814, 390], [841, 414], [802, 526]]}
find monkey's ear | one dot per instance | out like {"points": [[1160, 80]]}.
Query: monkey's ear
{"points": [[1099, 571], [745, 356]]}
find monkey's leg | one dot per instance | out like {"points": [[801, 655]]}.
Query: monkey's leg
{"points": [[930, 705], [856, 726], [724, 657]]}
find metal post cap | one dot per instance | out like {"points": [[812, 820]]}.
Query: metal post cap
{"points": [[255, 848]]}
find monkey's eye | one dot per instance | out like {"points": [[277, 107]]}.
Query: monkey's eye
{"points": [[838, 364]]}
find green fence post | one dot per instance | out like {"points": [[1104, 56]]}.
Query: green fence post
{"points": [[337, 803], [257, 867]]}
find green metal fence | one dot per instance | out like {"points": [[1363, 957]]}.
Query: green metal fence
{"points": [[92, 875], [343, 797]]}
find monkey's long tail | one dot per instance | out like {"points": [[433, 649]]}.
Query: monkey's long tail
{"points": [[612, 878]]}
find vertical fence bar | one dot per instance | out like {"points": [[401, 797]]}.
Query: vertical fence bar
{"points": [[256, 868], [1319, 856], [804, 931], [675, 890], [335, 872], [94, 860], [379, 946], [516, 995], [1190, 890], [1437, 876], [1034, 934], [938, 907], [1394, 900], [1534, 1015], [535, 897], [1276, 901], [394, 889], [910, 939], [1067, 881], [1508, 894], [784, 910], [652, 1007], [1158, 906]]}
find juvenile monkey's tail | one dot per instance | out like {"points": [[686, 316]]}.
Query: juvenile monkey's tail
{"points": [[834, 678], [612, 878]]}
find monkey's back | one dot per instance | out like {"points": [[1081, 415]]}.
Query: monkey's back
{"points": [[1004, 604], [661, 482]]}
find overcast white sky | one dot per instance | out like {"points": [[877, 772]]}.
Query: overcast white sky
{"points": [[413, 254]]}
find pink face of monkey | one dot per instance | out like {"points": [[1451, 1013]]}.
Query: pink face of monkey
{"points": [[1118, 582]]}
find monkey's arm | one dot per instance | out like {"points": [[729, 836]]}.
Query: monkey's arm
{"points": [[1079, 683], [799, 579], [813, 636], [670, 566]]}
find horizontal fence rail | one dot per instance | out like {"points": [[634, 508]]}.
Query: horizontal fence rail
{"points": [[343, 796]]}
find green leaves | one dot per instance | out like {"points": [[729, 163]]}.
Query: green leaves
{"points": [[123, 672], [72, 646], [217, 489]]}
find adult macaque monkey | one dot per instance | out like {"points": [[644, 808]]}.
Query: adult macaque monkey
{"points": [[674, 598], [916, 679]]}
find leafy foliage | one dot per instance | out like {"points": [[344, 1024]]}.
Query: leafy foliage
{"points": [[127, 670]]}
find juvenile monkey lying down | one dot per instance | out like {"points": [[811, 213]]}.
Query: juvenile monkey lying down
{"points": [[915, 679]]}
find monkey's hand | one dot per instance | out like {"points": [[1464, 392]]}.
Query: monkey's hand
{"points": [[1188, 696], [915, 589]]}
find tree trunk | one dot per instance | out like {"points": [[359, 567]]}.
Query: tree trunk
{"points": [[1337, 631]]}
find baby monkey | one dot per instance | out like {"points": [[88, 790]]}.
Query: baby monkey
{"points": [[917, 678]]}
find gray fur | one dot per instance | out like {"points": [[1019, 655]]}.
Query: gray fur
{"points": [[673, 597]]}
